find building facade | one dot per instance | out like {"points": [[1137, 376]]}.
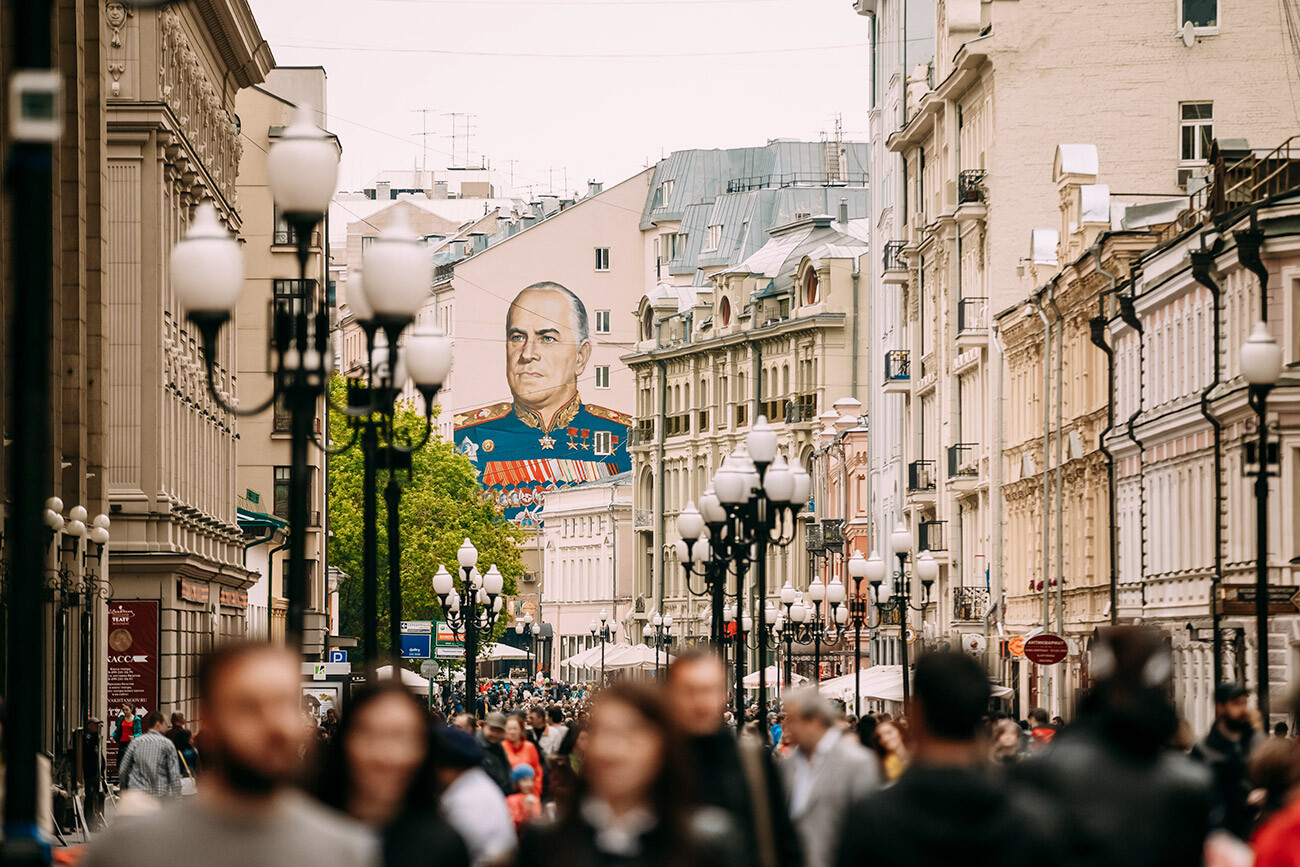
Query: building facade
{"points": [[584, 543], [972, 127], [171, 463]]}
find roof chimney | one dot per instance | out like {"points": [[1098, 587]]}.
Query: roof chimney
{"points": [[594, 188], [383, 190], [844, 210]]}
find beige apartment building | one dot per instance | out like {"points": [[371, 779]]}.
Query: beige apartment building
{"points": [[273, 281], [173, 141], [971, 130], [769, 336]]}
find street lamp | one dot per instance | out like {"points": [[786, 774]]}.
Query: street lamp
{"points": [[859, 568], [815, 626], [605, 633], [471, 614], [758, 496], [207, 276], [1261, 365], [900, 542], [533, 630], [659, 631]]}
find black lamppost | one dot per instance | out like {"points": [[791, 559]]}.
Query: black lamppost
{"points": [[859, 616], [471, 614], [207, 277], [900, 542], [533, 630], [605, 634], [659, 632], [740, 625], [814, 626], [758, 497], [1261, 365]]}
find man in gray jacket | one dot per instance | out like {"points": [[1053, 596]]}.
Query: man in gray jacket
{"points": [[825, 776]]}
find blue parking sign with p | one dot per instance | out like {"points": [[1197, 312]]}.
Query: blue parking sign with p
{"points": [[338, 655]]}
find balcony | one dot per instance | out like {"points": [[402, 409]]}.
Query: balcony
{"points": [[931, 536], [895, 268], [920, 477], [972, 323], [963, 461], [801, 408], [898, 371], [643, 434], [970, 604], [443, 274], [971, 195]]}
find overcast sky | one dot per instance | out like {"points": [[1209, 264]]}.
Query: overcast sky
{"points": [[600, 87]]}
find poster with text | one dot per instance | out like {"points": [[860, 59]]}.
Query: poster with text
{"points": [[132, 664]]}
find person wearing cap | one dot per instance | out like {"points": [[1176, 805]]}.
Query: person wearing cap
{"points": [[496, 764], [472, 802], [1226, 751]]}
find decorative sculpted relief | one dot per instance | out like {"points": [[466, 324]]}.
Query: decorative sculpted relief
{"points": [[186, 88]]}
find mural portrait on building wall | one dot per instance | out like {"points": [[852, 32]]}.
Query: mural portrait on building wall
{"points": [[545, 436]]}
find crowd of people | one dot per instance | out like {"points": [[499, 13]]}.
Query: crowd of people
{"points": [[655, 773]]}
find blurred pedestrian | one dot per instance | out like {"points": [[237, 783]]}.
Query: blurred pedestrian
{"points": [[894, 754], [1272, 770], [379, 769], [496, 764], [829, 772], [564, 766], [1116, 794], [632, 807], [149, 771], [247, 812], [180, 735], [945, 809], [1041, 730], [736, 774], [1008, 745], [1226, 751], [1281, 730], [521, 751], [471, 800], [526, 802]]}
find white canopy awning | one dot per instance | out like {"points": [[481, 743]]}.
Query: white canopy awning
{"points": [[639, 656], [409, 678], [773, 676], [503, 651], [880, 682]]}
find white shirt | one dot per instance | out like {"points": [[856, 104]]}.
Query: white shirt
{"points": [[475, 807], [806, 768], [552, 738]]}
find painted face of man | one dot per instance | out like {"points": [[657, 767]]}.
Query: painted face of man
{"points": [[543, 356]]}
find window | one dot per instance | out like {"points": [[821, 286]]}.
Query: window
{"points": [[366, 241], [675, 242], [602, 321], [811, 289], [601, 442], [714, 239], [602, 376], [1196, 125], [648, 325], [724, 310], [281, 495], [291, 297], [602, 258], [1199, 13], [286, 235], [283, 418], [665, 193]]}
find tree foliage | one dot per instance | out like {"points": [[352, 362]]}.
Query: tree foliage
{"points": [[441, 505]]}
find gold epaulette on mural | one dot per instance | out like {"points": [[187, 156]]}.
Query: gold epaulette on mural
{"points": [[487, 413]]}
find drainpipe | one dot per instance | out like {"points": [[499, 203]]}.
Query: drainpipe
{"points": [[613, 553], [995, 494], [1202, 272], [658, 577], [1129, 315], [1060, 459], [1098, 333], [1047, 448]]}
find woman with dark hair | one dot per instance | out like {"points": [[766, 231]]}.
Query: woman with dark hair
{"points": [[631, 807], [379, 769], [565, 763]]}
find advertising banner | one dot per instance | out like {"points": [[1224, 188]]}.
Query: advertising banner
{"points": [[132, 663]]}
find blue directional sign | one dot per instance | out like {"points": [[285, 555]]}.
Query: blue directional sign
{"points": [[338, 655], [417, 646]]}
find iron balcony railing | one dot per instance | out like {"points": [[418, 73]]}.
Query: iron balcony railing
{"points": [[972, 314], [931, 537], [444, 273], [920, 476], [970, 604], [791, 179], [970, 186], [801, 408], [643, 434], [898, 365], [894, 256], [963, 460]]}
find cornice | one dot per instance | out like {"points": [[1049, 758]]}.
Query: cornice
{"points": [[238, 40]]}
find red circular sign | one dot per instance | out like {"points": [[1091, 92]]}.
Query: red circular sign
{"points": [[1046, 649]]}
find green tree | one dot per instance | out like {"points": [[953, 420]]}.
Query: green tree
{"points": [[442, 504]]}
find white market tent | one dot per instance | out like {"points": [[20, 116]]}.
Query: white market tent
{"points": [[590, 658], [880, 682], [503, 651], [409, 678], [638, 656], [773, 676]]}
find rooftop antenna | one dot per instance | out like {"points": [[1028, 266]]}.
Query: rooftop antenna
{"points": [[453, 115], [424, 137]]}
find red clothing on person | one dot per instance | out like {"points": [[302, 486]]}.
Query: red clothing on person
{"points": [[523, 809], [1277, 842], [525, 754]]}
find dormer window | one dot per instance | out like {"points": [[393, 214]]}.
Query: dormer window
{"points": [[724, 310], [648, 324], [812, 293]]}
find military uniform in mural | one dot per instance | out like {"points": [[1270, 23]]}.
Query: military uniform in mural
{"points": [[519, 456]]}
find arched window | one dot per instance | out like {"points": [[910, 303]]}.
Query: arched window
{"points": [[648, 324], [724, 310], [811, 289]]}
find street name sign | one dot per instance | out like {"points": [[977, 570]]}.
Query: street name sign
{"points": [[417, 646]]}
